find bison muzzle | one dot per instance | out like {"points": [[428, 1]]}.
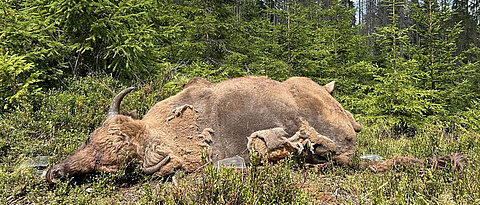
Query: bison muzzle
{"points": [[217, 121]]}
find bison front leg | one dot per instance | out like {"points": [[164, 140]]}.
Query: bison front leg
{"points": [[173, 165], [160, 166]]}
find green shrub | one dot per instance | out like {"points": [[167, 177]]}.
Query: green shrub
{"points": [[270, 184], [18, 80]]}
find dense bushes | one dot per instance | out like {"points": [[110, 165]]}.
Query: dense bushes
{"points": [[388, 75]]}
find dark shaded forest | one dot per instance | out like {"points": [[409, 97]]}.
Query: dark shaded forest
{"points": [[405, 61], [409, 70]]}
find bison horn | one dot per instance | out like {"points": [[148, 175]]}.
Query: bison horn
{"points": [[115, 106], [155, 168]]}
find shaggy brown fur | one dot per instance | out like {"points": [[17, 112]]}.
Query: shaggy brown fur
{"points": [[238, 107], [116, 142], [217, 119], [182, 141]]}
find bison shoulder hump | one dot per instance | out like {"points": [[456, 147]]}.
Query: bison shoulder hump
{"points": [[197, 81]]}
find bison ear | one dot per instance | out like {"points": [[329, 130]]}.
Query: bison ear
{"points": [[330, 86], [132, 114]]}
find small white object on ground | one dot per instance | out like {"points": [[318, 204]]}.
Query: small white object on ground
{"points": [[237, 162], [372, 157]]}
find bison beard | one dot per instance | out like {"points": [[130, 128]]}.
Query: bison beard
{"points": [[212, 122]]}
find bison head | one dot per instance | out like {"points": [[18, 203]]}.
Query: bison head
{"points": [[116, 142]]}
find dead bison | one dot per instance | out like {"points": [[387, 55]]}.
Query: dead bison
{"points": [[218, 121]]}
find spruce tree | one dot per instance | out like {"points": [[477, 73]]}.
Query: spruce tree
{"points": [[396, 97], [440, 69]]}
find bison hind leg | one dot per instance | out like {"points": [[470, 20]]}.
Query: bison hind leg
{"points": [[271, 144], [275, 144]]}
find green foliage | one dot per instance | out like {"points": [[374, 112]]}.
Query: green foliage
{"points": [[335, 46], [28, 31], [424, 185], [66, 117], [272, 184], [17, 80], [397, 98], [108, 36], [354, 92], [440, 70]]}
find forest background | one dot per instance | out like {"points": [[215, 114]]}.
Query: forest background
{"points": [[408, 70]]}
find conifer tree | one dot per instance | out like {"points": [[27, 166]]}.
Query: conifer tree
{"points": [[440, 70], [396, 97], [470, 35]]}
